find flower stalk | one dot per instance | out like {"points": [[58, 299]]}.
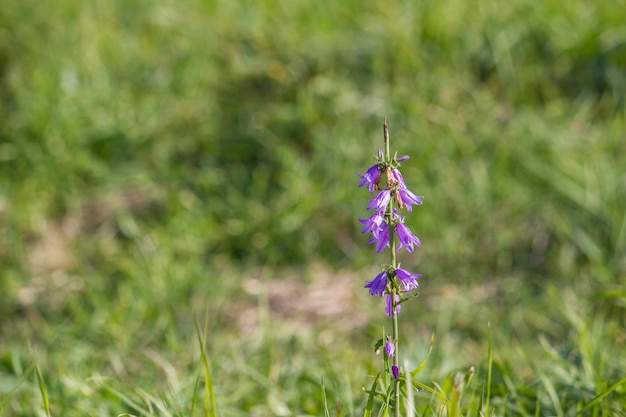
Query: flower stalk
{"points": [[388, 230], [394, 288]]}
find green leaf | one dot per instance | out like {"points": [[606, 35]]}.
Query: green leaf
{"points": [[419, 369]]}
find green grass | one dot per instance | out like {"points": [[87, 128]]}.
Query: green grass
{"points": [[163, 162]]}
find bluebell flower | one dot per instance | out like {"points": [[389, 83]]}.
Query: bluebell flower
{"points": [[405, 197], [390, 348], [398, 178], [407, 238], [371, 178], [380, 202], [378, 285], [382, 226], [373, 225], [381, 239], [408, 280], [389, 307]]}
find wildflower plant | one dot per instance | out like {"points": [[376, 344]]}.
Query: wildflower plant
{"points": [[389, 232]]}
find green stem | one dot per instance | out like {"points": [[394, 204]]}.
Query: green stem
{"points": [[396, 336], [394, 284]]}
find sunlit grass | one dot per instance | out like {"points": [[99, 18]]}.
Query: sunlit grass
{"points": [[158, 161]]}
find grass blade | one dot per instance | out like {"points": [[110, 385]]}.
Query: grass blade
{"points": [[489, 367], [419, 369], [601, 396], [41, 383], [209, 395], [370, 397], [324, 399]]}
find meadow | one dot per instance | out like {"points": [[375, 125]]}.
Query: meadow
{"points": [[179, 207]]}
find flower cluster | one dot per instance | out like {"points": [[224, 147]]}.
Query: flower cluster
{"points": [[386, 222]]}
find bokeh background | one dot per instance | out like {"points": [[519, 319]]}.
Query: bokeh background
{"points": [[165, 161]]}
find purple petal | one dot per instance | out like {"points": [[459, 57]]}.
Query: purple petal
{"points": [[390, 348], [408, 280], [382, 240], [389, 305], [380, 202], [378, 285], [398, 176], [407, 238], [409, 198], [373, 224], [370, 178]]}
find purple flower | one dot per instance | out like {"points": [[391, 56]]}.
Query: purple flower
{"points": [[390, 348], [381, 239], [395, 371], [407, 238], [408, 280], [399, 179], [378, 285], [373, 224], [371, 178], [390, 306], [402, 158], [380, 202], [405, 197]]}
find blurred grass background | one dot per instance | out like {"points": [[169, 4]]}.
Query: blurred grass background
{"points": [[163, 160]]}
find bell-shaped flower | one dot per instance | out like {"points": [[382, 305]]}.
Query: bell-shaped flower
{"points": [[373, 225], [390, 348], [380, 202], [405, 197], [378, 285], [408, 280], [389, 307], [407, 238], [382, 239], [371, 178], [398, 177]]}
